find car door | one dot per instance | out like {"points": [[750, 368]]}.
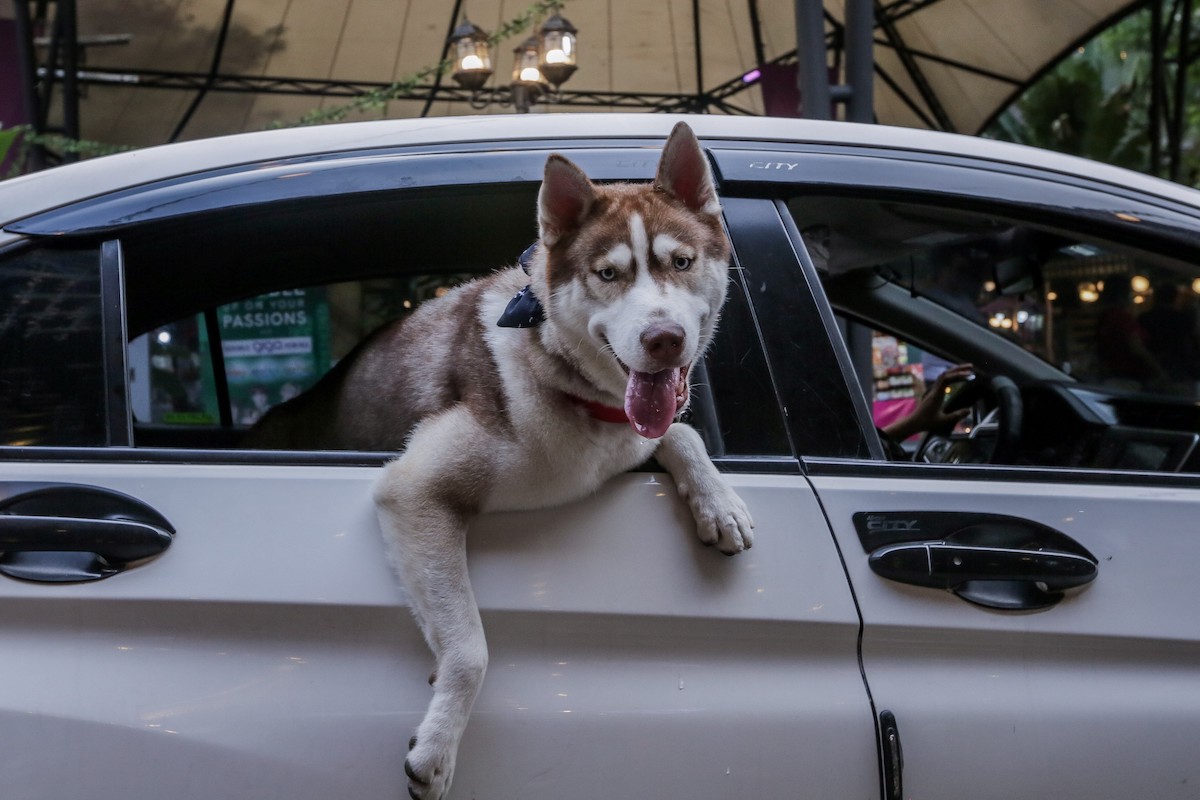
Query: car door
{"points": [[1027, 630], [185, 618]]}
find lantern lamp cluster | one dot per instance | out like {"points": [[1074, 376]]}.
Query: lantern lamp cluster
{"points": [[541, 61]]}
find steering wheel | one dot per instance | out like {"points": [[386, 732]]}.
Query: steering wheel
{"points": [[990, 434]]}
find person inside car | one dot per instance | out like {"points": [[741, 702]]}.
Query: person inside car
{"points": [[928, 415]]}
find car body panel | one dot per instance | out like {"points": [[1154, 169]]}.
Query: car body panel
{"points": [[1018, 704], [268, 649], [992, 703]]}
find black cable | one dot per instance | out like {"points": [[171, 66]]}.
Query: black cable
{"points": [[212, 72]]}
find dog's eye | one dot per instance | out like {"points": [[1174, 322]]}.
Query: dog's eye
{"points": [[682, 263], [608, 274]]}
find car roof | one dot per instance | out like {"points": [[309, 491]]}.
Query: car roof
{"points": [[41, 191]]}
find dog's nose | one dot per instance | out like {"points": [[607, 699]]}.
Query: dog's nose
{"points": [[663, 342]]}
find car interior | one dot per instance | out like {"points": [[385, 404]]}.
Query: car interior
{"points": [[1086, 353]]}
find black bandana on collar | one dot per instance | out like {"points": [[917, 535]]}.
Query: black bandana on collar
{"points": [[524, 310]]}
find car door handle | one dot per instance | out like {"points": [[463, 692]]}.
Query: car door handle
{"points": [[947, 566], [68, 533], [992, 560]]}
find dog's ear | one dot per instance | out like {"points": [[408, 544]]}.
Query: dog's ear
{"points": [[683, 172], [564, 200]]}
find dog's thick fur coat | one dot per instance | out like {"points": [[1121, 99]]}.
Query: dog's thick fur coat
{"points": [[632, 279]]}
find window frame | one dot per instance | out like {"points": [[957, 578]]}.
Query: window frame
{"points": [[1089, 209], [108, 310], [112, 220]]}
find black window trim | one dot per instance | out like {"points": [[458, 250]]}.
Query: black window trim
{"points": [[783, 294], [1154, 238], [991, 473], [327, 177], [969, 183], [759, 465], [119, 428], [858, 397], [114, 389], [118, 415]]}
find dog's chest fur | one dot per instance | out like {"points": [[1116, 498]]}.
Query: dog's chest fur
{"points": [[541, 448]]}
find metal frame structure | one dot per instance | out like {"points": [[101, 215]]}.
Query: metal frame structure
{"points": [[869, 23], [1168, 104], [62, 50]]}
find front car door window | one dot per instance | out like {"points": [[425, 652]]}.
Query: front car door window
{"points": [[1101, 337]]}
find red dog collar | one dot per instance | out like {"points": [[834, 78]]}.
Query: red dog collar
{"points": [[599, 410]]}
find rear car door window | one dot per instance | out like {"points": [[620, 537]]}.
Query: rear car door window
{"points": [[241, 295]]}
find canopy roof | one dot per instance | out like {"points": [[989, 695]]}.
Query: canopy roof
{"points": [[947, 64]]}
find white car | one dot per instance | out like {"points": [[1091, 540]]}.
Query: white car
{"points": [[1003, 609]]}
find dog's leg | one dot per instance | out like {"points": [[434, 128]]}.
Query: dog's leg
{"points": [[425, 500], [721, 516]]}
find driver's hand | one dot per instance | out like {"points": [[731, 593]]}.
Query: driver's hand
{"points": [[929, 414]]}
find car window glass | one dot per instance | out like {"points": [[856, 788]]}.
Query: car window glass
{"points": [[51, 349], [898, 372], [1104, 334]]}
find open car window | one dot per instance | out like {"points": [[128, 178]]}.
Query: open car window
{"points": [[233, 312]]}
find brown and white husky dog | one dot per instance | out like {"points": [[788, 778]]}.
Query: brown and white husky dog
{"points": [[631, 279]]}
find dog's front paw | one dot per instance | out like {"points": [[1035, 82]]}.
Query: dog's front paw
{"points": [[722, 519], [429, 768]]}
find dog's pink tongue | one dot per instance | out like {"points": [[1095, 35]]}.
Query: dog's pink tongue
{"points": [[650, 401]]}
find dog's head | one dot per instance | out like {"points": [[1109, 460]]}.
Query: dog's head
{"points": [[634, 276]]}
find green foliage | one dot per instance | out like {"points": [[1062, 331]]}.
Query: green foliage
{"points": [[1096, 102]]}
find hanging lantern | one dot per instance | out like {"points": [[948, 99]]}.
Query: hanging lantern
{"points": [[558, 50], [527, 81], [472, 58], [526, 72]]}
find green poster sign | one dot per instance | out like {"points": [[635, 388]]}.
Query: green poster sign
{"points": [[275, 346]]}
